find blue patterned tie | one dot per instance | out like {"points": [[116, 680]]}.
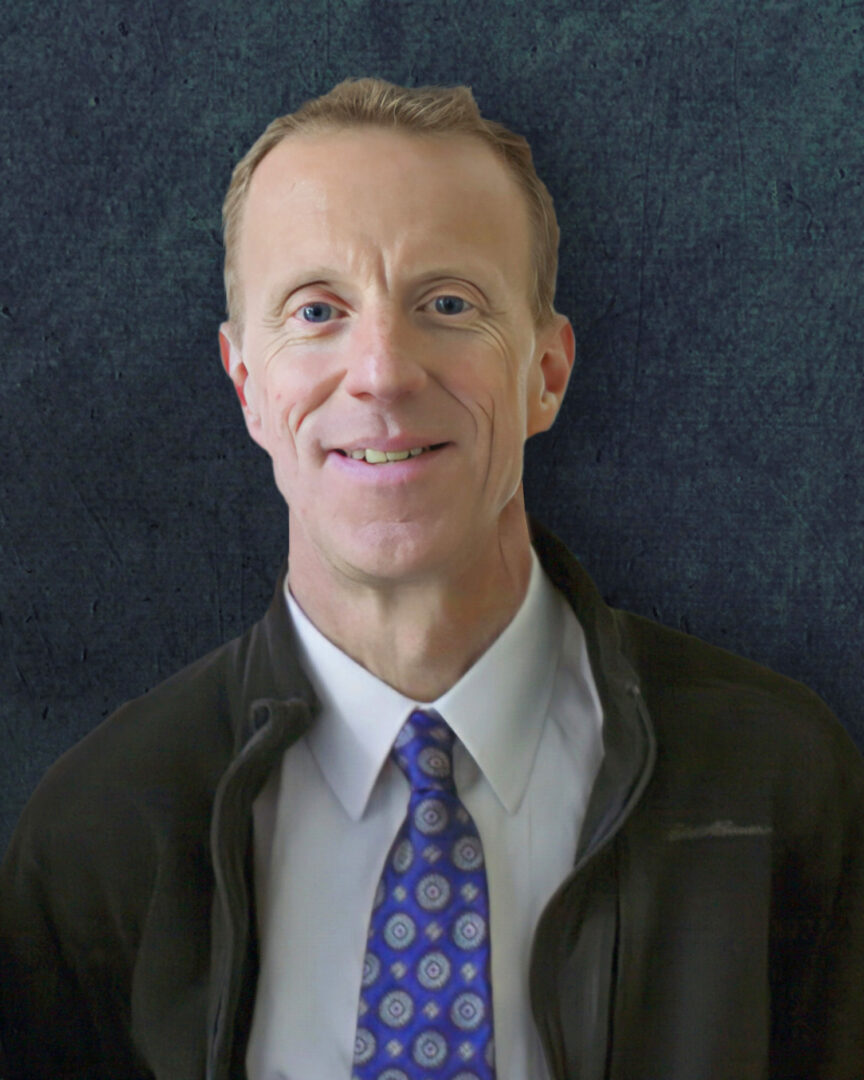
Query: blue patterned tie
{"points": [[426, 999]]}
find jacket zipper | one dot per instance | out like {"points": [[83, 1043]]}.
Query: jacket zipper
{"points": [[554, 1054], [264, 748]]}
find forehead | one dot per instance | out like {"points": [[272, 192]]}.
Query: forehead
{"points": [[393, 198]]}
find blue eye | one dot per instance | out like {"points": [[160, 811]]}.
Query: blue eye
{"points": [[450, 305], [316, 313]]}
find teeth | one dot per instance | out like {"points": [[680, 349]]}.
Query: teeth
{"points": [[379, 457]]}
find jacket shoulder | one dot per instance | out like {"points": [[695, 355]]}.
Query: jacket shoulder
{"points": [[718, 715], [146, 773], [179, 729], [670, 661]]}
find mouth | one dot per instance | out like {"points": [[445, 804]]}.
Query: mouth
{"points": [[385, 457]]}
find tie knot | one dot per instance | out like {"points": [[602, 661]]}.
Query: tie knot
{"points": [[423, 750]]}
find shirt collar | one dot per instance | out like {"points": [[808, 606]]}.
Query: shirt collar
{"points": [[497, 708]]}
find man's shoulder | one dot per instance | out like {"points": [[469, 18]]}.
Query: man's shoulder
{"points": [[176, 725], [674, 666], [685, 680], [159, 755], [165, 752], [717, 714], [699, 694]]}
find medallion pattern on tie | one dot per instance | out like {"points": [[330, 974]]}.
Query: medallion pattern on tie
{"points": [[426, 998]]}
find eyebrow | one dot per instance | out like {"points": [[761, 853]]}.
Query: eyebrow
{"points": [[327, 275], [318, 275]]}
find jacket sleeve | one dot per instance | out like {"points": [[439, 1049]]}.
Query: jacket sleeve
{"points": [[64, 987], [818, 946]]}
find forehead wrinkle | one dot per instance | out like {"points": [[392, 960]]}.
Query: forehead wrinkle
{"points": [[345, 264]]}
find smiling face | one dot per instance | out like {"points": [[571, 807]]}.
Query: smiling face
{"points": [[386, 282]]}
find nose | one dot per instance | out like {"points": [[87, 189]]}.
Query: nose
{"points": [[386, 361]]}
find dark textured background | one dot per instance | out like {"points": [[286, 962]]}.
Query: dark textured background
{"points": [[706, 159]]}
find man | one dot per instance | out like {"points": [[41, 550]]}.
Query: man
{"points": [[650, 862]]}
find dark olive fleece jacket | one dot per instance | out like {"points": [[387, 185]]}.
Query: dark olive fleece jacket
{"points": [[712, 927]]}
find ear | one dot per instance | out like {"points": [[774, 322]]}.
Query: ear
{"points": [[244, 384], [553, 362]]}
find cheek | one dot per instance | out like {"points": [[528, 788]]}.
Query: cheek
{"points": [[282, 400], [504, 403], [300, 386], [484, 383], [276, 428]]}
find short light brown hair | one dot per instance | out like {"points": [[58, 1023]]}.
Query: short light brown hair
{"points": [[424, 110]]}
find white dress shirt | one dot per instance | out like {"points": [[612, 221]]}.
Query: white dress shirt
{"points": [[528, 724]]}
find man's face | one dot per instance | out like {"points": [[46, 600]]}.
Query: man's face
{"points": [[386, 282]]}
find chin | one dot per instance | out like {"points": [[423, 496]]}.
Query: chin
{"points": [[398, 551]]}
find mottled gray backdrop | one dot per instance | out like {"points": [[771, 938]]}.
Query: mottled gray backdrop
{"points": [[706, 159]]}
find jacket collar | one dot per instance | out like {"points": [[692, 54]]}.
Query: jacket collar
{"points": [[267, 676], [629, 748]]}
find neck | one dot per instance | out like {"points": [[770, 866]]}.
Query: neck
{"points": [[420, 637]]}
